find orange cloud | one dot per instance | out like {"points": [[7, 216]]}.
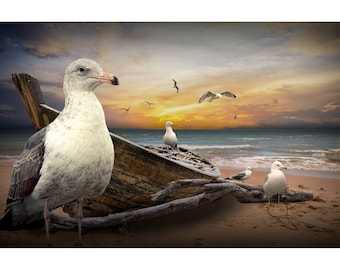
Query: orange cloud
{"points": [[330, 107]]}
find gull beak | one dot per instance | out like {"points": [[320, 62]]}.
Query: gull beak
{"points": [[108, 78]]}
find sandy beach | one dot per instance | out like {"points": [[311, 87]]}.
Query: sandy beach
{"points": [[224, 223]]}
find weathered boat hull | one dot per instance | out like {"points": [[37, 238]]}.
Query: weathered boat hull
{"points": [[138, 171]]}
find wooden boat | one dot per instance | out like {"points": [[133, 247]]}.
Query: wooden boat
{"points": [[138, 172]]}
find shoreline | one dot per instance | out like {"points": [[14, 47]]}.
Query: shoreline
{"points": [[223, 223]]}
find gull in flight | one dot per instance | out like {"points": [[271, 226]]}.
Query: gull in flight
{"points": [[235, 116], [149, 103], [242, 175], [213, 96], [175, 86], [125, 109]]}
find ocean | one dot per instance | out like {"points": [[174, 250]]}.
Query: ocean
{"points": [[303, 151]]}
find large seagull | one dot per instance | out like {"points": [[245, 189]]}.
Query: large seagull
{"points": [[70, 159]]}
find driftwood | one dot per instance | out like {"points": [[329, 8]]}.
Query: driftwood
{"points": [[214, 190]]}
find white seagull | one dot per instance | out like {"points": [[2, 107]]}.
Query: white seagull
{"points": [[275, 181], [170, 137], [70, 159], [213, 96], [242, 175], [125, 109]]}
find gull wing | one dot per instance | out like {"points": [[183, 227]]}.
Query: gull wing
{"points": [[228, 94], [26, 169], [238, 176], [206, 95]]}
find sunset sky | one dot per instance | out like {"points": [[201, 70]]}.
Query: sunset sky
{"points": [[284, 74]]}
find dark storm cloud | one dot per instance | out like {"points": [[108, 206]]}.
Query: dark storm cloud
{"points": [[303, 118], [35, 52], [33, 38], [12, 112]]}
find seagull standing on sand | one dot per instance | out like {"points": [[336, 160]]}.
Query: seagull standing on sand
{"points": [[213, 96], [175, 86], [275, 181], [70, 159], [242, 175], [170, 137]]}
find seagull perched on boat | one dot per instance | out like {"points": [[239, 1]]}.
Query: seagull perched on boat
{"points": [[275, 181], [213, 96], [175, 85], [242, 175], [170, 137], [70, 159], [125, 109]]}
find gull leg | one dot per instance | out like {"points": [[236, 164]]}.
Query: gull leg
{"points": [[47, 221], [80, 218], [278, 198]]}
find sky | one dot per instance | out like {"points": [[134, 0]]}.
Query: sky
{"points": [[285, 75]]}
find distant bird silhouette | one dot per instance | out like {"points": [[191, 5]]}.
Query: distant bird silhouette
{"points": [[275, 181], [175, 86], [213, 96], [149, 103], [125, 109], [242, 175], [235, 116], [170, 137]]}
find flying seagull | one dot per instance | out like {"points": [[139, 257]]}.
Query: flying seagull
{"points": [[170, 137], [235, 116], [175, 86], [149, 103], [70, 159], [241, 176], [275, 181], [213, 96], [125, 109]]}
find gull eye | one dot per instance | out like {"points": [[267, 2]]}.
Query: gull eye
{"points": [[82, 70]]}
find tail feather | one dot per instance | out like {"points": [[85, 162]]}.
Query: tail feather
{"points": [[16, 218]]}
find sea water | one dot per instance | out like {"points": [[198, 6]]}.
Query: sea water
{"points": [[303, 151]]}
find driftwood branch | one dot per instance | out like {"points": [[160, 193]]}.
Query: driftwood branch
{"points": [[65, 223], [214, 190]]}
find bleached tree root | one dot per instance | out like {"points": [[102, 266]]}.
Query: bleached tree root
{"points": [[213, 190]]}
